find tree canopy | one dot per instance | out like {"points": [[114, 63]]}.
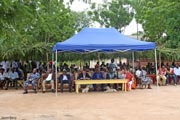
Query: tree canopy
{"points": [[161, 23], [29, 28], [117, 13]]}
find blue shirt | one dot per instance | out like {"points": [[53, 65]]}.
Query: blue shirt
{"points": [[33, 76], [13, 75], [98, 75], [2, 76]]}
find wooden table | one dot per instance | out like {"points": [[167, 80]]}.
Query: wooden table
{"points": [[104, 81]]}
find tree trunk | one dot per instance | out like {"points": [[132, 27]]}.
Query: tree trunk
{"points": [[159, 59], [47, 59]]}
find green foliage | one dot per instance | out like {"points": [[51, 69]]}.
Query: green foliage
{"points": [[161, 21], [31, 27], [116, 14], [81, 20]]}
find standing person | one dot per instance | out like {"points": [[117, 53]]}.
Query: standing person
{"points": [[33, 64], [12, 77], [5, 64], [32, 79], [113, 66], [86, 66], [97, 65], [15, 64], [102, 65], [148, 67], [2, 77], [28, 66], [37, 65]]}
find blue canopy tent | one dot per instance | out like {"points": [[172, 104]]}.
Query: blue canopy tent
{"points": [[102, 40]]}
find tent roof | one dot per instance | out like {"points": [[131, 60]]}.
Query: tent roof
{"points": [[101, 40]]}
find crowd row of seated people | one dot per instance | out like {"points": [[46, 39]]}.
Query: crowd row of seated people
{"points": [[164, 76], [97, 73], [109, 71], [167, 73], [47, 77], [9, 76], [67, 77]]}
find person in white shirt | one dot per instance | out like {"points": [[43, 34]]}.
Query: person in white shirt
{"points": [[15, 64], [5, 64], [177, 72], [48, 77], [121, 74], [12, 76], [138, 76], [138, 73]]}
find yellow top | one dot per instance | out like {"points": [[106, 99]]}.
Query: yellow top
{"points": [[100, 81]]}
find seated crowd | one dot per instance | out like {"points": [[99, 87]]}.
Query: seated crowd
{"points": [[40, 78], [167, 74], [67, 75], [10, 77]]}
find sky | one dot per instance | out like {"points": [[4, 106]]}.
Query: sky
{"points": [[78, 6]]}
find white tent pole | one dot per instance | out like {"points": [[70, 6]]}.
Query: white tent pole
{"points": [[56, 74], [155, 53], [98, 60], [52, 60], [133, 61]]}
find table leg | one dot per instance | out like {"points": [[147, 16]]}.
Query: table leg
{"points": [[77, 89], [125, 87], [122, 86]]}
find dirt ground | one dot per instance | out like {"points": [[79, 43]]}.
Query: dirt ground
{"points": [[162, 103]]}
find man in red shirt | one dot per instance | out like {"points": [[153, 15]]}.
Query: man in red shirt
{"points": [[161, 78]]}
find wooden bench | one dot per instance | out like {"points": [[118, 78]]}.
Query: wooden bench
{"points": [[104, 81]]}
